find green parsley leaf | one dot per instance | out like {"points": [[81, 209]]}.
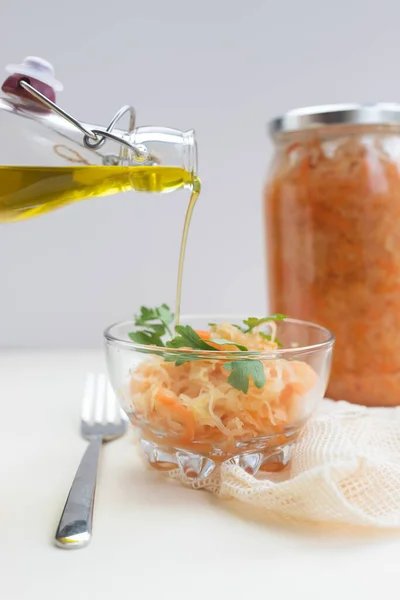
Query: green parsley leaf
{"points": [[268, 338], [252, 322], [161, 313], [179, 360], [146, 314], [165, 315], [156, 328], [242, 370], [188, 338], [222, 341], [146, 338]]}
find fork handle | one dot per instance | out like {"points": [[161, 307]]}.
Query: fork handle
{"points": [[75, 527]]}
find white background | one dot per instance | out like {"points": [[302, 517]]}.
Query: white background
{"points": [[223, 67]]}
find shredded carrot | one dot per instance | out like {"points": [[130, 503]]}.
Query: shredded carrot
{"points": [[205, 335], [178, 412]]}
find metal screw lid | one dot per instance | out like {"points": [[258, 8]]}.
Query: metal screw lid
{"points": [[311, 117]]}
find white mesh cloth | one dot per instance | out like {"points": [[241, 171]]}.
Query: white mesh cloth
{"points": [[345, 470]]}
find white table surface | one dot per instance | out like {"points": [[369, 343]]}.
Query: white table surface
{"points": [[152, 538]]}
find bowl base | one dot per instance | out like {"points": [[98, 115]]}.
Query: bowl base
{"points": [[197, 467]]}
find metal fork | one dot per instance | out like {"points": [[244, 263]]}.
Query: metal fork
{"points": [[101, 421]]}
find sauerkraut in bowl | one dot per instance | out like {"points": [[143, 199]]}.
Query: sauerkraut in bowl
{"points": [[244, 398]]}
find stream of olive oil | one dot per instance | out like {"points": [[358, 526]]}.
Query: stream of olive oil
{"points": [[192, 203], [26, 192]]}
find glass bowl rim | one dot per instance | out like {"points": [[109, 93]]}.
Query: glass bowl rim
{"points": [[218, 354]]}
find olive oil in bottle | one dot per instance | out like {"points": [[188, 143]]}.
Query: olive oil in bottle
{"points": [[26, 192]]}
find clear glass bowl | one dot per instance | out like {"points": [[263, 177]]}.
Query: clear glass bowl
{"points": [[190, 417]]}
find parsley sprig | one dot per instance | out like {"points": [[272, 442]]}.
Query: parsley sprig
{"points": [[253, 322], [188, 338], [153, 327]]}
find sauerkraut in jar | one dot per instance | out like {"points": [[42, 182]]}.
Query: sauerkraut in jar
{"points": [[332, 211]]}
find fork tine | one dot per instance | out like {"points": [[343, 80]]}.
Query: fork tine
{"points": [[100, 403], [112, 415], [116, 414], [88, 399]]}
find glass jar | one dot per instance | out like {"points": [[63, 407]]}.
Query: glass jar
{"points": [[332, 212]]}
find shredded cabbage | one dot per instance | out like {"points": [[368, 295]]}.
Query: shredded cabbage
{"points": [[195, 404]]}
